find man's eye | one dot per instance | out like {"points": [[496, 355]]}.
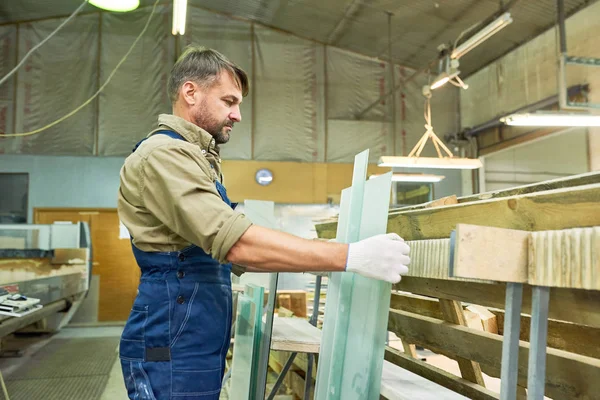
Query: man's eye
{"points": [[229, 102]]}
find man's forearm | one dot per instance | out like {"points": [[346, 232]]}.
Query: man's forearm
{"points": [[270, 250]]}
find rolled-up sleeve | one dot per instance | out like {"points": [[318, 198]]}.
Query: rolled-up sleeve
{"points": [[178, 189]]}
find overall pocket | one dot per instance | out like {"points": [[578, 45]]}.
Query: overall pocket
{"points": [[202, 340], [132, 345]]}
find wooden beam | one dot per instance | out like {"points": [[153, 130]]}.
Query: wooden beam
{"points": [[580, 339], [327, 230], [487, 253], [452, 312], [573, 305], [469, 389], [568, 375], [587, 178], [554, 209]]}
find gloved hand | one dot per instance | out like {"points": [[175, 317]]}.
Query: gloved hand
{"points": [[384, 257]]}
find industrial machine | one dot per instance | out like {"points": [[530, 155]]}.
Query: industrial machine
{"points": [[45, 273]]}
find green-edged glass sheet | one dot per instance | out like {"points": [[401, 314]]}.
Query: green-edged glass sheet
{"points": [[243, 349], [356, 311]]}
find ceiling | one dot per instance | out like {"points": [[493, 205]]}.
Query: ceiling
{"points": [[418, 27]]}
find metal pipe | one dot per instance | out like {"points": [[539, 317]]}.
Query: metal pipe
{"points": [[395, 89], [572, 91], [14, 324], [561, 26], [392, 82], [562, 78]]}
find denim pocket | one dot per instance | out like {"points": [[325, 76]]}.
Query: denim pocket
{"points": [[132, 345]]}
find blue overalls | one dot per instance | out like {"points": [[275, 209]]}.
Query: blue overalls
{"points": [[175, 341]]}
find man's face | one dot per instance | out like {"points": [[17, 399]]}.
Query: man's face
{"points": [[217, 107]]}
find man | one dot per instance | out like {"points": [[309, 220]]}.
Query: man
{"points": [[185, 235]]}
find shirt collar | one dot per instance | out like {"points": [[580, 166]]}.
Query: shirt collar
{"points": [[190, 132]]}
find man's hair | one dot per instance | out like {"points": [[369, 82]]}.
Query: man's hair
{"points": [[203, 66]]}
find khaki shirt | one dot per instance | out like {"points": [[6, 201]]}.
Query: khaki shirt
{"points": [[168, 199]]}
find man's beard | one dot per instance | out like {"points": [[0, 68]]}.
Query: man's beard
{"points": [[213, 126]]}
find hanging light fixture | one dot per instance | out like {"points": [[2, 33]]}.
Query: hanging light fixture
{"points": [[415, 161], [417, 178], [447, 72], [116, 5], [179, 16], [551, 119]]}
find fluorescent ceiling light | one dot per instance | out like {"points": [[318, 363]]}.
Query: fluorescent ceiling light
{"points": [[481, 36], [414, 177], [430, 162], [179, 16], [443, 78], [552, 119], [116, 5]]}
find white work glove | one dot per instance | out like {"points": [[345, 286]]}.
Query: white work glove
{"points": [[384, 257]]}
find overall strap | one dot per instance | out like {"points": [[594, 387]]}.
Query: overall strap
{"points": [[169, 133]]}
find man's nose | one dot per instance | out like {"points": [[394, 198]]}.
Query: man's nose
{"points": [[236, 114]]}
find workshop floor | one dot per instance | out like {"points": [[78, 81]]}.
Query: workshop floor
{"points": [[53, 367]]}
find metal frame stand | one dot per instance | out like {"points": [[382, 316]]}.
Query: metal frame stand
{"points": [[510, 347], [308, 378], [538, 339]]}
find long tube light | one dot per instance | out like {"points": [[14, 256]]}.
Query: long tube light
{"points": [[429, 162], [425, 178], [116, 5], [481, 36], [551, 119], [179, 16]]}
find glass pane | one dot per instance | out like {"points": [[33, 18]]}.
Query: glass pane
{"points": [[356, 311]]}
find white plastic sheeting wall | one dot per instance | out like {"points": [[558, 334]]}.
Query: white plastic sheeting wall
{"points": [[56, 79], [233, 38], [8, 54], [303, 100], [286, 97], [130, 104]]}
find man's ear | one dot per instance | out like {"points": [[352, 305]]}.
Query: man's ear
{"points": [[188, 90]]}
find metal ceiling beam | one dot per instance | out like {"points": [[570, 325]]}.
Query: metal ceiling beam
{"points": [[351, 10]]}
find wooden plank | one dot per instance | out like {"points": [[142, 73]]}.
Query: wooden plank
{"points": [[587, 178], [297, 298], [453, 313], [575, 338], [548, 210], [565, 258], [489, 253], [580, 339], [301, 360], [439, 376], [568, 375], [488, 320], [574, 305], [285, 301], [443, 201], [295, 335]]}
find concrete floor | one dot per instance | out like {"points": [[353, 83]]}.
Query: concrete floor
{"points": [[405, 384]]}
